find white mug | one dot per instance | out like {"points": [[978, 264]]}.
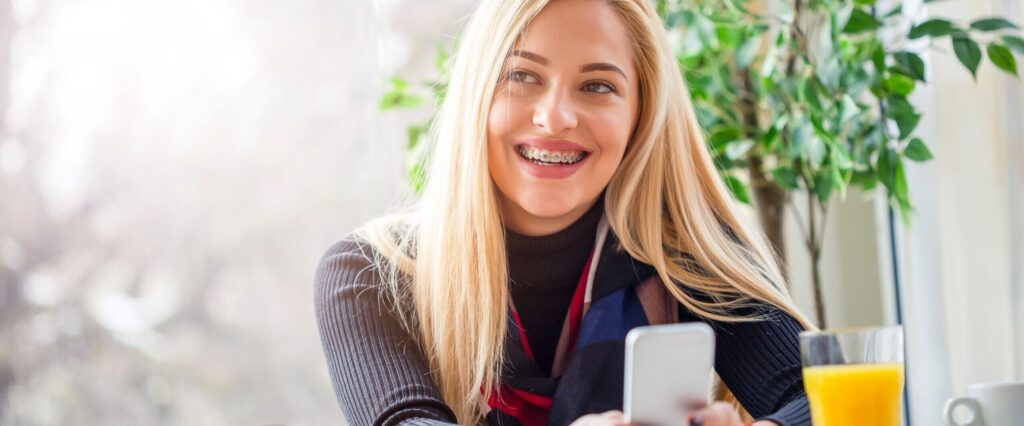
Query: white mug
{"points": [[990, 404]]}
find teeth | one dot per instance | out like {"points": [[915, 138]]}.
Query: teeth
{"points": [[560, 157]]}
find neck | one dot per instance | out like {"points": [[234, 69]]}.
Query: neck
{"points": [[521, 222]]}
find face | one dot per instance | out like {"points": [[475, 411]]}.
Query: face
{"points": [[562, 115]]}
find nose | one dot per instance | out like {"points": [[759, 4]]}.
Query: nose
{"points": [[555, 112]]}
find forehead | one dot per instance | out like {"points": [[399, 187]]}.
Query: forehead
{"points": [[570, 32]]}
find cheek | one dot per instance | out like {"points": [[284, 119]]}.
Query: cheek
{"points": [[501, 122], [497, 128], [613, 133], [505, 115]]}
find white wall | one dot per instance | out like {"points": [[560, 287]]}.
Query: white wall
{"points": [[854, 281], [960, 255]]}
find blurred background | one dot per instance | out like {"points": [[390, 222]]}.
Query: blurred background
{"points": [[171, 173]]}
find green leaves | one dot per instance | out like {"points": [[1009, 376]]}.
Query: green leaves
{"points": [[786, 177], [800, 139], [735, 151], [1002, 58], [890, 172], [895, 11], [867, 180], [738, 188], [886, 167], [899, 84], [967, 49], [916, 150], [1015, 43], [993, 24], [413, 134], [910, 65], [932, 28], [861, 21], [816, 151], [398, 96], [968, 52], [746, 53], [811, 95], [902, 112], [722, 136]]}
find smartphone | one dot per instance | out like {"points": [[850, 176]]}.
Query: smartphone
{"points": [[668, 372]]}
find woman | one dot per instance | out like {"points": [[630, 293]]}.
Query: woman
{"points": [[570, 197]]}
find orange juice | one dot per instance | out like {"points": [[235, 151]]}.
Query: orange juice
{"points": [[854, 394]]}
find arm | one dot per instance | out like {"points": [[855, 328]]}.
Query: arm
{"points": [[760, 363], [377, 371]]}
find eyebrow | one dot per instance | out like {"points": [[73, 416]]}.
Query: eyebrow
{"points": [[596, 66]]}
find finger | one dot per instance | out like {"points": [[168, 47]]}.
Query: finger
{"points": [[615, 417], [607, 418], [590, 420], [613, 414], [717, 414]]}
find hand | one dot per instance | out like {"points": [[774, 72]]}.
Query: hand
{"points": [[720, 414], [607, 418], [716, 414]]}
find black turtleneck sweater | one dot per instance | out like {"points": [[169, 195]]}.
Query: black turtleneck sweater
{"points": [[543, 274], [381, 378]]}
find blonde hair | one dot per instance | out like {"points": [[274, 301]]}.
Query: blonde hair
{"points": [[444, 261]]}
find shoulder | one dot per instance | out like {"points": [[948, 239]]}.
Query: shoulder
{"points": [[348, 262], [349, 284], [350, 248]]}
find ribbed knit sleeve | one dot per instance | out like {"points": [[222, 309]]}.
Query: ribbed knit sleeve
{"points": [[378, 373], [760, 363]]}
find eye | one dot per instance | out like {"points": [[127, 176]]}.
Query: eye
{"points": [[599, 87], [519, 76]]}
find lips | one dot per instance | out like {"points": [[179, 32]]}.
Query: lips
{"points": [[544, 170], [552, 144]]}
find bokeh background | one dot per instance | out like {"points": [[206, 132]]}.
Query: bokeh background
{"points": [[170, 174], [172, 171]]}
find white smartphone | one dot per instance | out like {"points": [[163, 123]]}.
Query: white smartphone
{"points": [[668, 372]]}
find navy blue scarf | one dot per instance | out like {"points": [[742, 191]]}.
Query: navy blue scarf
{"points": [[587, 375]]}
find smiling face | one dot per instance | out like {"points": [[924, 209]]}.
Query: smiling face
{"points": [[562, 115]]}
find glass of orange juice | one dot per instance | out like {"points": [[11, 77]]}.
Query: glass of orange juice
{"points": [[854, 377]]}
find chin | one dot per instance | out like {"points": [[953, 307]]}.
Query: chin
{"points": [[548, 206]]}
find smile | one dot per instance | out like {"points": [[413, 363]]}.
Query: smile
{"points": [[546, 157]]}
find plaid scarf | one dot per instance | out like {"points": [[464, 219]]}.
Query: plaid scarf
{"points": [[615, 293]]}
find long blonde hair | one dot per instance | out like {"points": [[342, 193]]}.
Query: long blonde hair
{"points": [[443, 260]]}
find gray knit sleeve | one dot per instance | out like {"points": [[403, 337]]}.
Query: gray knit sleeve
{"points": [[760, 363], [378, 373]]}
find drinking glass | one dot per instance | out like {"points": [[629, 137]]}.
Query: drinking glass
{"points": [[854, 376]]}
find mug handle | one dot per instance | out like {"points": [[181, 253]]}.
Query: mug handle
{"points": [[971, 404]]}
